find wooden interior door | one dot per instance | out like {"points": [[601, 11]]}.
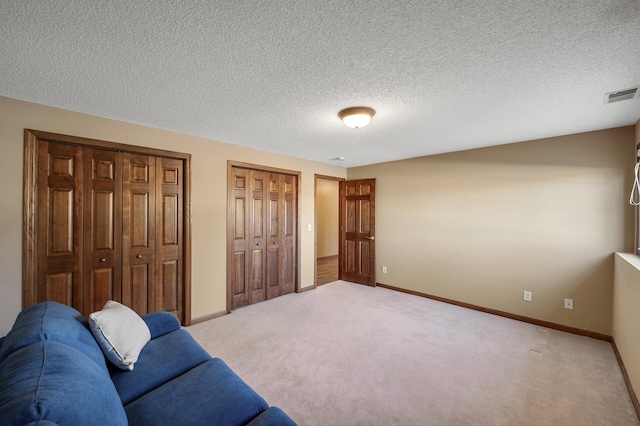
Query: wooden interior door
{"points": [[102, 257], [357, 231]]}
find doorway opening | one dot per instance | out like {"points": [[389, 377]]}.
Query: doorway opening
{"points": [[327, 225]]}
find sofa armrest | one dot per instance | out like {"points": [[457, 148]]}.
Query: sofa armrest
{"points": [[272, 416], [161, 323]]}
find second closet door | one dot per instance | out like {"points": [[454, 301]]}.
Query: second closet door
{"points": [[263, 230], [281, 219]]}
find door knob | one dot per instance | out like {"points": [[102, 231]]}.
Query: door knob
{"points": [[139, 256], [103, 260], [371, 238]]}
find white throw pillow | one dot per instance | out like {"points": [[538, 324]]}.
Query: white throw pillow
{"points": [[120, 332]]}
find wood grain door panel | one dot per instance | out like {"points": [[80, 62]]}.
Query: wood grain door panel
{"points": [[101, 222], [274, 217], [139, 232], [247, 189], [289, 238], [102, 257], [59, 224], [357, 231], [239, 195], [257, 236], [282, 217], [169, 247], [263, 232]]}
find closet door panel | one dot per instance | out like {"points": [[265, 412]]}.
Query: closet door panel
{"points": [[263, 230], [273, 272], [274, 216], [101, 288], [170, 279], [257, 290], [103, 223], [59, 287], [137, 293], [59, 225], [139, 232], [289, 239], [169, 211], [102, 257], [239, 224]]}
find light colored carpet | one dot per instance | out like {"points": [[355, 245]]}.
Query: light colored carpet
{"points": [[345, 354]]}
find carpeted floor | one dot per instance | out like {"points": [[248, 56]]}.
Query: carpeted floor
{"points": [[345, 354]]}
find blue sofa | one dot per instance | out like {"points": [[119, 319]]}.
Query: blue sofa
{"points": [[52, 371]]}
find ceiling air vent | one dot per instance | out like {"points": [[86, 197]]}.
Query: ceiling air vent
{"points": [[621, 95]]}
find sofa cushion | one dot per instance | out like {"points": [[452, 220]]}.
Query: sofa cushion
{"points": [[161, 360], [120, 332], [56, 322], [50, 381], [209, 394]]}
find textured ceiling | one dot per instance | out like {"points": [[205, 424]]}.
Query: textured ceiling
{"points": [[272, 74]]}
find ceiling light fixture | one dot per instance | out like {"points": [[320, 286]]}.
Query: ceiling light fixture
{"points": [[356, 117]]}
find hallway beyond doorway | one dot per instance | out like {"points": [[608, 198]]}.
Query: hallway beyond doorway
{"points": [[327, 269]]}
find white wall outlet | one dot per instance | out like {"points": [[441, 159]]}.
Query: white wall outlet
{"points": [[384, 269], [568, 303], [309, 227], [527, 296]]}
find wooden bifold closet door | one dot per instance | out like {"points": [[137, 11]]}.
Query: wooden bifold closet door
{"points": [[152, 234], [78, 255], [263, 215], [108, 224]]}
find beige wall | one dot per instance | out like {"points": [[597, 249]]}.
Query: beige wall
{"points": [[482, 226], [209, 174], [478, 226], [327, 210]]}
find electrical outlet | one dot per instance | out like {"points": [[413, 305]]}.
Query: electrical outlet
{"points": [[568, 303], [527, 296], [384, 269]]}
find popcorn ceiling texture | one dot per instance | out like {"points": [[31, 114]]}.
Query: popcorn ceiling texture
{"points": [[442, 75]]}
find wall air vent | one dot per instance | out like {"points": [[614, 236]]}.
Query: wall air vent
{"points": [[621, 95]]}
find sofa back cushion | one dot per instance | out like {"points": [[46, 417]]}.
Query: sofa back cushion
{"points": [[49, 381], [55, 322]]}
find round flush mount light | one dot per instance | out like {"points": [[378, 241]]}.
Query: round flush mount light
{"points": [[356, 117]]}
